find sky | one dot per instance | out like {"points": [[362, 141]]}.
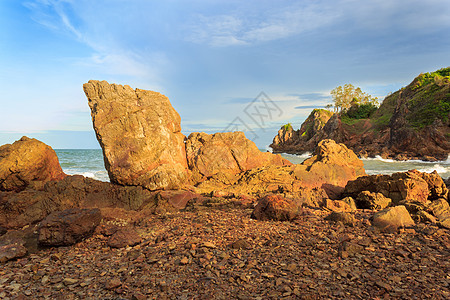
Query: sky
{"points": [[224, 64]]}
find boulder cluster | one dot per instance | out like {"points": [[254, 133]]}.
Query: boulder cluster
{"points": [[155, 170]]}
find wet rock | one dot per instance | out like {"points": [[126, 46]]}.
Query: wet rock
{"points": [[27, 161], [392, 218], [124, 237], [68, 226], [374, 201], [140, 134], [275, 207]]}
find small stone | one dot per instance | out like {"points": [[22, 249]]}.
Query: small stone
{"points": [[113, 283], [184, 261], [209, 245], [384, 285], [240, 244], [70, 281]]}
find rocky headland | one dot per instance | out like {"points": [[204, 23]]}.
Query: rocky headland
{"points": [[212, 217], [412, 123]]}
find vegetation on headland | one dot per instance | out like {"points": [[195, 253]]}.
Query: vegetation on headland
{"points": [[431, 98], [428, 100], [344, 97], [410, 123], [287, 127]]}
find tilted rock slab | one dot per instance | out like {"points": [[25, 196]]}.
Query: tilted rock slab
{"points": [[27, 161], [140, 134]]}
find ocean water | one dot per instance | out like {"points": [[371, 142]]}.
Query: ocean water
{"points": [[380, 165], [90, 163]]}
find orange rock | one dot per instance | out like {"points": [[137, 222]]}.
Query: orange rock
{"points": [[226, 152], [140, 134], [27, 161], [403, 186]]}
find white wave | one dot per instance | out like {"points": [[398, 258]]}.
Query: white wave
{"points": [[303, 155], [389, 160], [97, 175], [438, 168]]}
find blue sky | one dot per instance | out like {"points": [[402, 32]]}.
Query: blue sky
{"points": [[211, 58]]}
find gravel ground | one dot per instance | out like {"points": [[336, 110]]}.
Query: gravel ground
{"points": [[220, 253]]}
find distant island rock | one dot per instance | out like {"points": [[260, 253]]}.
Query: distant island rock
{"points": [[412, 123]]}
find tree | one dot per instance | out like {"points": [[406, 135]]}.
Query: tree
{"points": [[346, 96]]}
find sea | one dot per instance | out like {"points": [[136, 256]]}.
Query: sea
{"points": [[89, 163]]}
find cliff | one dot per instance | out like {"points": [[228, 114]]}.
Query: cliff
{"points": [[412, 123]]}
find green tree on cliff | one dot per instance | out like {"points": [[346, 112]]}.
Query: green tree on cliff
{"points": [[346, 96]]}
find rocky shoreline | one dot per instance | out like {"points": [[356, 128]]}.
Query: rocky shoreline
{"points": [[412, 123], [212, 217]]}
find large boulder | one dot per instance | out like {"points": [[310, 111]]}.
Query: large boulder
{"points": [[140, 134], [400, 187], [27, 161], [69, 226], [330, 168], [226, 152]]}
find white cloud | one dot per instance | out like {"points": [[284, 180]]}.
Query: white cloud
{"points": [[242, 28], [246, 27]]}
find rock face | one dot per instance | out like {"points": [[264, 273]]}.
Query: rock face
{"points": [[405, 186], [140, 134], [306, 138], [322, 176], [27, 161], [411, 123], [226, 152], [68, 227]]}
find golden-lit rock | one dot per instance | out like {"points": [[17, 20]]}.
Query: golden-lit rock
{"points": [[140, 134], [25, 162]]}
